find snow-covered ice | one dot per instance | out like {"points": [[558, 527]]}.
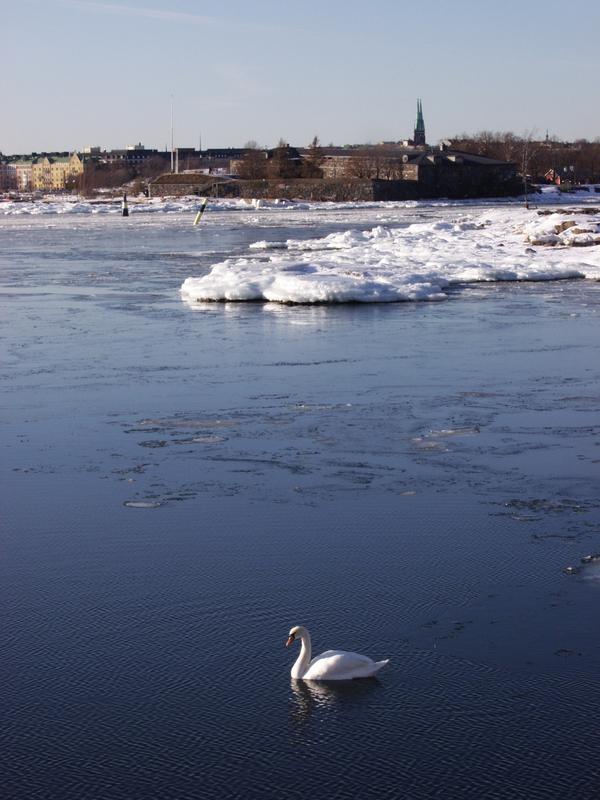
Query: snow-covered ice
{"points": [[67, 205], [416, 262], [380, 256]]}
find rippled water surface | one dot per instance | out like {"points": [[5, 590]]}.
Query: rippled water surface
{"points": [[180, 486]]}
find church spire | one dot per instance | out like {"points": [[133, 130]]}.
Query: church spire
{"points": [[419, 137]]}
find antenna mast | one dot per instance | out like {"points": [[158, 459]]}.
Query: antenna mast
{"points": [[172, 141]]}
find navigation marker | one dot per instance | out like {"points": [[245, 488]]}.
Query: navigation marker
{"points": [[202, 207]]}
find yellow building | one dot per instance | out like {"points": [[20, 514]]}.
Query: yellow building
{"points": [[53, 172]]}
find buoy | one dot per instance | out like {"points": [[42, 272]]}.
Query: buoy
{"points": [[202, 207], [124, 209]]}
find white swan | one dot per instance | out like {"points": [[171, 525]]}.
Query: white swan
{"points": [[332, 665]]}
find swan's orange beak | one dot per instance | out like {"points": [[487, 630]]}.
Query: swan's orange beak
{"points": [[290, 640]]}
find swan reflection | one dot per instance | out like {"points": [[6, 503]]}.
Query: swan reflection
{"points": [[330, 696]]}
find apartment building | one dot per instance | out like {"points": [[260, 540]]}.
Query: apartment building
{"points": [[16, 175], [52, 172]]}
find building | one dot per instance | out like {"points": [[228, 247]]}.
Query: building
{"points": [[51, 173], [335, 161], [23, 170], [134, 155], [443, 172], [224, 160], [7, 176], [15, 175], [367, 161]]}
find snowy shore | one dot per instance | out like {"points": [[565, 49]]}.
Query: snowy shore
{"points": [[69, 204]]}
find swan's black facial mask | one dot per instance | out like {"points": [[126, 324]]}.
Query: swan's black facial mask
{"points": [[290, 640]]}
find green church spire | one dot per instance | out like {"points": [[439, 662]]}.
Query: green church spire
{"points": [[419, 137]]}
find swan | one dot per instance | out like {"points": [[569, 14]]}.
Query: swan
{"points": [[332, 665]]}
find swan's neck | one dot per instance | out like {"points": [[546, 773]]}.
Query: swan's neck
{"points": [[303, 660]]}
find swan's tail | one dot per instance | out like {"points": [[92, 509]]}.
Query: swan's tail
{"points": [[380, 664]]}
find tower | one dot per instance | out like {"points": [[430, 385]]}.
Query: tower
{"points": [[419, 137]]}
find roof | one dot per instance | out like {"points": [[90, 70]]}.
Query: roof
{"points": [[477, 159], [453, 155], [224, 151], [22, 162], [187, 179]]}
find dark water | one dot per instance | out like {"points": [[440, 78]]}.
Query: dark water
{"points": [[179, 488]]}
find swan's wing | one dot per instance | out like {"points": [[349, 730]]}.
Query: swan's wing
{"points": [[340, 665], [329, 653]]}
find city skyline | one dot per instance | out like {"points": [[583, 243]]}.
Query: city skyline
{"points": [[106, 74]]}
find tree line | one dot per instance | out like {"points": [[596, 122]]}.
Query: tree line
{"points": [[281, 162], [574, 162]]}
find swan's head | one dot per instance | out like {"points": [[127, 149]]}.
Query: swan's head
{"points": [[296, 633]]}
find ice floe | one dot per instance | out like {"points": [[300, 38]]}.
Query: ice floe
{"points": [[419, 261]]}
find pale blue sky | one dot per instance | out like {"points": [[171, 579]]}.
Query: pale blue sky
{"points": [[79, 73]]}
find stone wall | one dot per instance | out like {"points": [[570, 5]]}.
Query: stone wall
{"points": [[425, 182], [396, 190], [457, 182], [433, 181], [336, 190], [181, 186], [467, 180]]}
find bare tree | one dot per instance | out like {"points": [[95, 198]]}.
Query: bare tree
{"points": [[154, 166], [313, 164], [392, 168], [284, 162], [567, 162], [529, 152], [357, 166], [254, 165], [370, 162]]}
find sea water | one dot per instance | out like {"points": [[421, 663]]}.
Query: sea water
{"points": [[184, 481]]}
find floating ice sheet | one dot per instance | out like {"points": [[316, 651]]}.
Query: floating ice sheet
{"points": [[390, 264]]}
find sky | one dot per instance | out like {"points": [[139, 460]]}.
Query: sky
{"points": [[78, 73]]}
